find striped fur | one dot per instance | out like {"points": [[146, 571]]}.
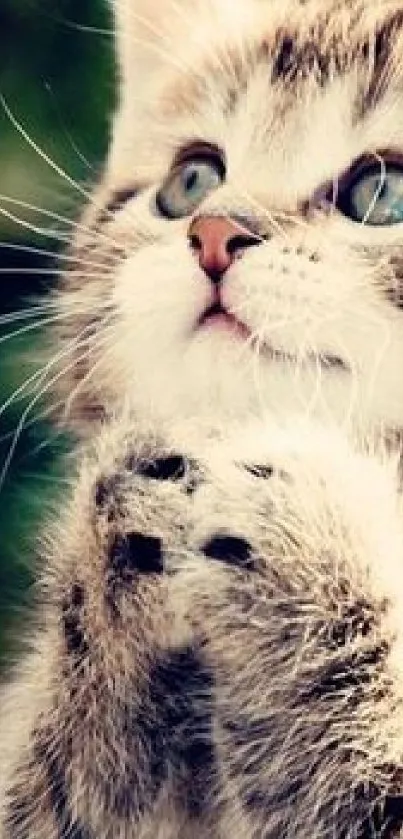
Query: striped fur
{"points": [[218, 647]]}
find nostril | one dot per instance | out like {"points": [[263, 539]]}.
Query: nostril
{"points": [[216, 242], [195, 242], [240, 243]]}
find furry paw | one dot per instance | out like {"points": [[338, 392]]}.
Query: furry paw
{"points": [[298, 542]]}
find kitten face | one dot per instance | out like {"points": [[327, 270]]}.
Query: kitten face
{"points": [[286, 99]]}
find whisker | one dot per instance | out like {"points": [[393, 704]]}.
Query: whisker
{"points": [[65, 257], [74, 225], [25, 314], [39, 374], [51, 479], [85, 28], [64, 176], [55, 407], [19, 248], [33, 145], [30, 271], [33, 228], [42, 416], [85, 379], [65, 130], [45, 272], [23, 330], [30, 327], [74, 308], [39, 395]]}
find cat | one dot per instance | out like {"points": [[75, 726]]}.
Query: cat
{"points": [[219, 647], [240, 258], [233, 261]]}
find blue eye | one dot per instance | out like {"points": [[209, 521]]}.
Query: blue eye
{"points": [[189, 183], [374, 194]]}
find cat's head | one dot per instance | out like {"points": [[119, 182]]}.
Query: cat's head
{"points": [[244, 251]]}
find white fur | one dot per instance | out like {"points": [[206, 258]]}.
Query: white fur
{"points": [[276, 159], [326, 534]]}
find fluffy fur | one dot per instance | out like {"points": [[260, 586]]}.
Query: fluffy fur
{"points": [[292, 93], [219, 651]]}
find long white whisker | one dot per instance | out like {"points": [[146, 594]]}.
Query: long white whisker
{"points": [[33, 228], [39, 272], [66, 131], [74, 225], [31, 327], [85, 379], [55, 255], [51, 163], [40, 374], [86, 28], [49, 306], [25, 314], [40, 417], [39, 395], [66, 403]]}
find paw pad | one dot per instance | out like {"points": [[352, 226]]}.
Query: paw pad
{"points": [[233, 550], [171, 468], [135, 552]]}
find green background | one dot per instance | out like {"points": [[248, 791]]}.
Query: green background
{"points": [[57, 80]]}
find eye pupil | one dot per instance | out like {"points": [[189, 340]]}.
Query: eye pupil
{"points": [[190, 179]]}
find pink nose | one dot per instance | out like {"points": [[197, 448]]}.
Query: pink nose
{"points": [[218, 241]]}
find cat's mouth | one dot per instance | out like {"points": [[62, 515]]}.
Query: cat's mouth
{"points": [[217, 317]]}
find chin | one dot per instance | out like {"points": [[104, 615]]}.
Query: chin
{"points": [[216, 382]]}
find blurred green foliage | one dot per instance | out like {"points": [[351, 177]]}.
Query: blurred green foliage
{"points": [[57, 84]]}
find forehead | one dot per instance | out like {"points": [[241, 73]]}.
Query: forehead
{"points": [[252, 76], [296, 41], [274, 72]]}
